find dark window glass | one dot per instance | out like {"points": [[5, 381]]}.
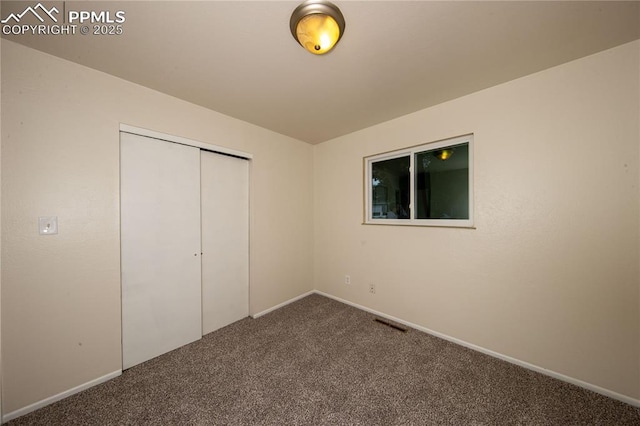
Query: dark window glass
{"points": [[390, 189], [442, 183]]}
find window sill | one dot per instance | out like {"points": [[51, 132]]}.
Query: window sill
{"points": [[418, 224]]}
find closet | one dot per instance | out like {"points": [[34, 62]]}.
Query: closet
{"points": [[184, 214]]}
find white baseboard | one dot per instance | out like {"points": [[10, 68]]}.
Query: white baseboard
{"points": [[606, 392], [58, 397], [62, 395], [273, 308]]}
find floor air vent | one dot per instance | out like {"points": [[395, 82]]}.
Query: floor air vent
{"points": [[388, 324]]}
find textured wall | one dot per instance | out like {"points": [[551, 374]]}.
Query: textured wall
{"points": [[1, 406], [550, 276], [60, 156]]}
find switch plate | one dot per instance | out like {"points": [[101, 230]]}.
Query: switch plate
{"points": [[347, 279], [48, 225]]}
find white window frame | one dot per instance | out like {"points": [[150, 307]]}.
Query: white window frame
{"points": [[411, 152]]}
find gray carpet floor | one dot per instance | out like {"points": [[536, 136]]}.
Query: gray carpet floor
{"points": [[320, 362]]}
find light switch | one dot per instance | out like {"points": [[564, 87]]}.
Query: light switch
{"points": [[48, 225]]}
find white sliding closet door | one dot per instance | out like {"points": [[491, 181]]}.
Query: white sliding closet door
{"points": [[225, 240], [160, 243]]}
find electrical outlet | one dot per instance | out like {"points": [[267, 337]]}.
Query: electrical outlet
{"points": [[372, 288], [347, 279]]}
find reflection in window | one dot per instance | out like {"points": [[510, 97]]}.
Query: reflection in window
{"points": [[424, 185], [390, 188], [442, 183]]}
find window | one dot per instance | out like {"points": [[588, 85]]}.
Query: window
{"points": [[430, 185]]}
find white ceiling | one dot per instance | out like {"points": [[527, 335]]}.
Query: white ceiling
{"points": [[396, 57]]}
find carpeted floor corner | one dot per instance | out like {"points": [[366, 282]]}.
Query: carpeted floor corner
{"points": [[320, 362]]}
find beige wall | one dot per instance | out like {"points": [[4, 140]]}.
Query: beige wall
{"points": [[550, 276], [638, 69], [61, 294], [1, 411]]}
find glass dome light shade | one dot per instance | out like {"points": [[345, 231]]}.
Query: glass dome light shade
{"points": [[317, 25], [318, 33]]}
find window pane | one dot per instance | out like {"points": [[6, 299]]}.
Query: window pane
{"points": [[442, 183], [390, 189]]}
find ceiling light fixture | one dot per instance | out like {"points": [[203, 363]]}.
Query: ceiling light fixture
{"points": [[317, 25], [443, 154]]}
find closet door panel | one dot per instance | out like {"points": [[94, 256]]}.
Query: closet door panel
{"points": [[225, 240], [160, 247]]}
